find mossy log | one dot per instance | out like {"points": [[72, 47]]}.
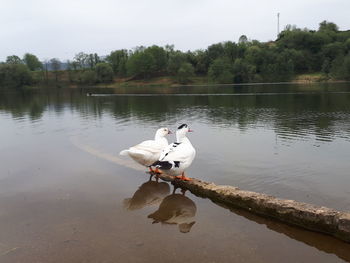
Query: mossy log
{"points": [[308, 216]]}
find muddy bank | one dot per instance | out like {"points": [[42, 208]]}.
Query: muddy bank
{"points": [[308, 216]]}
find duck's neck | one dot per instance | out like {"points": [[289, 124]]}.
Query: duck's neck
{"points": [[181, 138], [161, 139]]}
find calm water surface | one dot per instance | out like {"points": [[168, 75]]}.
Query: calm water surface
{"points": [[66, 195]]}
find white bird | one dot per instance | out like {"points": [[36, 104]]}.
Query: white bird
{"points": [[178, 156], [148, 152]]}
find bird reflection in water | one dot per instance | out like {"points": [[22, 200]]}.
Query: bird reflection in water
{"points": [[176, 209], [149, 193]]}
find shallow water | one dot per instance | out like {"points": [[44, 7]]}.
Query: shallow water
{"points": [[66, 195]]}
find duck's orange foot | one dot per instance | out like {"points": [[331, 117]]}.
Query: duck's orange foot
{"points": [[183, 178], [157, 171]]}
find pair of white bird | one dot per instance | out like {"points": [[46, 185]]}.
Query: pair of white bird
{"points": [[173, 159]]}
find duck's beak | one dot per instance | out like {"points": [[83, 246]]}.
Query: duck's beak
{"points": [[189, 130], [169, 132]]}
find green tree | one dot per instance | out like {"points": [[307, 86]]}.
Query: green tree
{"points": [[243, 71], [118, 59], [13, 60], [200, 61], [185, 72], [14, 75], [346, 66], [347, 45], [257, 56], [230, 50], [279, 67], [104, 72], [92, 60], [328, 26], [221, 71], [89, 77], [159, 56], [333, 50], [215, 51], [243, 39], [326, 66], [81, 60], [340, 68], [32, 62], [302, 40], [175, 61], [141, 64]]}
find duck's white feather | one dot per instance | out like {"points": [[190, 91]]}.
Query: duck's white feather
{"points": [[147, 152], [183, 152], [178, 156]]}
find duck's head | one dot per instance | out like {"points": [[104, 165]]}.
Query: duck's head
{"points": [[162, 132], [182, 130]]}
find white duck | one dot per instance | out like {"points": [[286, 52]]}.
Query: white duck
{"points": [[148, 152], [178, 156]]}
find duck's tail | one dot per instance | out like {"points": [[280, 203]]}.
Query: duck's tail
{"points": [[124, 152]]}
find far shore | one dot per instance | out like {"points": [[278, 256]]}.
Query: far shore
{"points": [[169, 81]]}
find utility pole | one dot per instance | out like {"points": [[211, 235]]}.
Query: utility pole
{"points": [[278, 24]]}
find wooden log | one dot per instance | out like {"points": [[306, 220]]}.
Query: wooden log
{"points": [[308, 216]]}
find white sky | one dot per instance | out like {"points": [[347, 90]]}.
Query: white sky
{"points": [[62, 28]]}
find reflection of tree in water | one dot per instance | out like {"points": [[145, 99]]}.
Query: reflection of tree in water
{"points": [[22, 103], [323, 115], [176, 209], [149, 193]]}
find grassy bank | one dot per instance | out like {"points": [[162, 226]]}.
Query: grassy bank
{"points": [[169, 81], [64, 81]]}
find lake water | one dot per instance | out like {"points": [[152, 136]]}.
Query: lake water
{"points": [[67, 196]]}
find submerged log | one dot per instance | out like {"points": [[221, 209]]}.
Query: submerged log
{"points": [[308, 216]]}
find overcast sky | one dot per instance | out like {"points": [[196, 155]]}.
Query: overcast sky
{"points": [[63, 28]]}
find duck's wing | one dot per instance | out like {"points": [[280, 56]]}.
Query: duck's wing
{"points": [[168, 150], [180, 152], [174, 156], [145, 153], [150, 146]]}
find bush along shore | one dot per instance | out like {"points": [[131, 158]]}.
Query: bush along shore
{"points": [[300, 55]]}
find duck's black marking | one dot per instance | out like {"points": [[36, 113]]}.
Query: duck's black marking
{"points": [[182, 126], [164, 165], [175, 144]]}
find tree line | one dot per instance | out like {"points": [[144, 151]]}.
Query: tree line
{"points": [[295, 51]]}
